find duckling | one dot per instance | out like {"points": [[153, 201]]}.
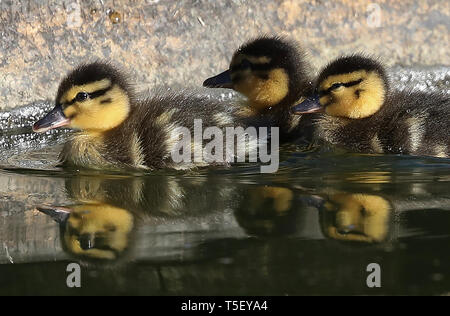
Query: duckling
{"points": [[274, 75], [363, 115], [118, 130], [356, 217]]}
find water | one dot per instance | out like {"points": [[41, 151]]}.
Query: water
{"points": [[311, 228]]}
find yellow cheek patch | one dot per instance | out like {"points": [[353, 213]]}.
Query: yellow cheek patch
{"points": [[94, 116], [358, 101], [70, 111], [324, 100], [89, 88], [264, 93], [377, 215], [93, 218]]}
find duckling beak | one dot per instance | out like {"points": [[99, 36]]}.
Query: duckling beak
{"points": [[222, 80], [310, 105], [52, 120], [58, 214]]}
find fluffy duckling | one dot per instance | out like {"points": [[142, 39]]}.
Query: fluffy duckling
{"points": [[274, 75], [362, 115], [118, 130]]}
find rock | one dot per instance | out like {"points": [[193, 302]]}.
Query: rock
{"points": [[183, 42]]}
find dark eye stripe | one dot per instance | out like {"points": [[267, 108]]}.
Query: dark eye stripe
{"points": [[106, 101], [353, 83], [337, 85], [92, 95], [99, 93]]}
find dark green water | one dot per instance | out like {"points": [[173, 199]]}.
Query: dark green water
{"points": [[311, 228]]}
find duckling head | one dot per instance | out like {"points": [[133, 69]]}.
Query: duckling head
{"points": [[353, 87], [94, 98], [356, 217], [269, 71], [94, 230]]}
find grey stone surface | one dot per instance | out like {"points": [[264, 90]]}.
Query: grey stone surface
{"points": [[184, 41]]}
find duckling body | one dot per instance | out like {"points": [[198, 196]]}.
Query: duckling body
{"points": [[118, 130], [412, 123], [273, 73], [144, 140], [363, 115]]}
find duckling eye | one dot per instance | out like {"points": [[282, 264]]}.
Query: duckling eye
{"points": [[336, 85], [82, 96]]}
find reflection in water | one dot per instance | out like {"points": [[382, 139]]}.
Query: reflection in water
{"points": [[98, 231], [154, 196], [267, 211], [356, 217], [108, 210], [224, 231]]}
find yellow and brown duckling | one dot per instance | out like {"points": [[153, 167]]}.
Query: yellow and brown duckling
{"points": [[363, 115], [274, 75], [118, 130]]}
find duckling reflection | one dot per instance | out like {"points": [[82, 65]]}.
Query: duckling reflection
{"points": [[275, 211], [168, 216], [356, 217], [96, 231], [278, 211], [109, 210], [164, 196]]}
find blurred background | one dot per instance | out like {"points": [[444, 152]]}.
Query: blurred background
{"points": [[182, 42]]}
